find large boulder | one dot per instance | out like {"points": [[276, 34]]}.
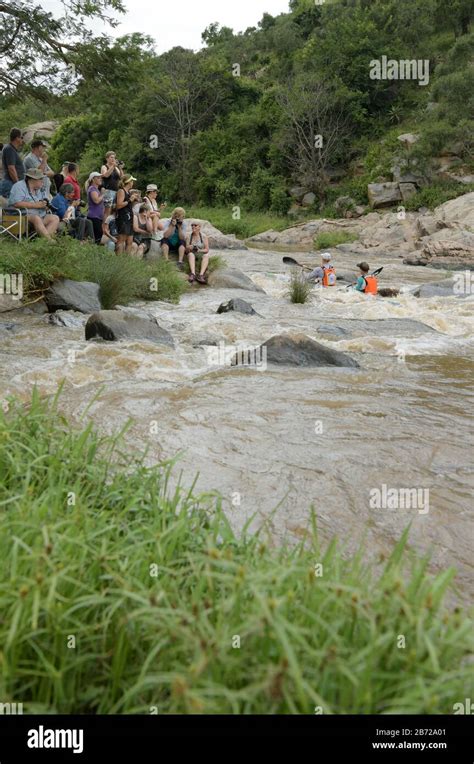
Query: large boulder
{"points": [[457, 245], [444, 288], [237, 305], [67, 319], [232, 278], [114, 325], [8, 303], [65, 294], [407, 190], [309, 199], [300, 350], [217, 239], [298, 192], [383, 194], [458, 211], [43, 130]]}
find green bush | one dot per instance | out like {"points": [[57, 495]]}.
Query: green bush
{"points": [[121, 278], [156, 587], [333, 238], [299, 289], [437, 193]]}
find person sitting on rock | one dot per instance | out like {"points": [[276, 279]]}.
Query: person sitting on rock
{"points": [[365, 283], [142, 230], [150, 199], [197, 244], [174, 237], [325, 273], [29, 195], [62, 204]]}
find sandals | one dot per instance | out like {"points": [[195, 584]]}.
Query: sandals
{"points": [[201, 279], [192, 278]]}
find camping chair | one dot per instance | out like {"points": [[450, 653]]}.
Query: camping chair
{"points": [[14, 223]]}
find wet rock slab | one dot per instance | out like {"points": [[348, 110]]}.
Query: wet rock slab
{"points": [[232, 278], [384, 327]]}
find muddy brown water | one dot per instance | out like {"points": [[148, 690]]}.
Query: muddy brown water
{"points": [[279, 441]]}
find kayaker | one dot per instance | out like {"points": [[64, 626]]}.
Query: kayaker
{"points": [[366, 283], [325, 273]]}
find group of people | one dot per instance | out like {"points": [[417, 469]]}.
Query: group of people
{"points": [[114, 213], [325, 274]]}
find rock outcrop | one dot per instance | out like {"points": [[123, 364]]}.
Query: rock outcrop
{"points": [[43, 130]]}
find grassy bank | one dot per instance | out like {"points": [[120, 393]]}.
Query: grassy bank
{"points": [[118, 594], [121, 278]]}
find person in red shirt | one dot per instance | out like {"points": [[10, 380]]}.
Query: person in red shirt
{"points": [[72, 173]]}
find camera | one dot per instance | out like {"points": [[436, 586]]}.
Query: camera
{"points": [[195, 250], [120, 164]]}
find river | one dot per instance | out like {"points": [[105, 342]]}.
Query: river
{"points": [[279, 441]]}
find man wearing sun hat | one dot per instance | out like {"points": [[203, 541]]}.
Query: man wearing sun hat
{"points": [[29, 195]]}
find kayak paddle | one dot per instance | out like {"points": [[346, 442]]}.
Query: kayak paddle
{"points": [[292, 261]]}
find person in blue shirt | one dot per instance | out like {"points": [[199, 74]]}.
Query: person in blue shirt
{"points": [[65, 208]]}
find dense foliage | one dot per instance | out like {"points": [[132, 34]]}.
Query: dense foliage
{"points": [[236, 124], [120, 593]]}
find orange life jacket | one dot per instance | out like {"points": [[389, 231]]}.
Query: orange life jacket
{"points": [[329, 277], [371, 285]]}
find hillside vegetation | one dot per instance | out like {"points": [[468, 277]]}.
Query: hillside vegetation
{"points": [[237, 123]]}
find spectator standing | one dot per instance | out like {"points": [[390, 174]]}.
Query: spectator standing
{"points": [[37, 158], [125, 202], [112, 174], [95, 201], [12, 165]]}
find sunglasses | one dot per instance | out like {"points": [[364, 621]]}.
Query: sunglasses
{"points": [[194, 225]]}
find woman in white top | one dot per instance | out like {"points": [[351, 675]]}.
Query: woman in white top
{"points": [[150, 200]]}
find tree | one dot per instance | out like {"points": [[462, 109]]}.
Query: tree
{"points": [[187, 96], [315, 129], [37, 49]]}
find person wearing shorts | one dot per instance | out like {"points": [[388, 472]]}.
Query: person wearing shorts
{"points": [[174, 236], [125, 202]]}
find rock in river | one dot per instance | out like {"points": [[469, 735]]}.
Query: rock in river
{"points": [[301, 350], [240, 306], [65, 294], [232, 278], [113, 325]]}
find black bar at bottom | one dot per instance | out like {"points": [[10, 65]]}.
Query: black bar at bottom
{"points": [[86, 738]]}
